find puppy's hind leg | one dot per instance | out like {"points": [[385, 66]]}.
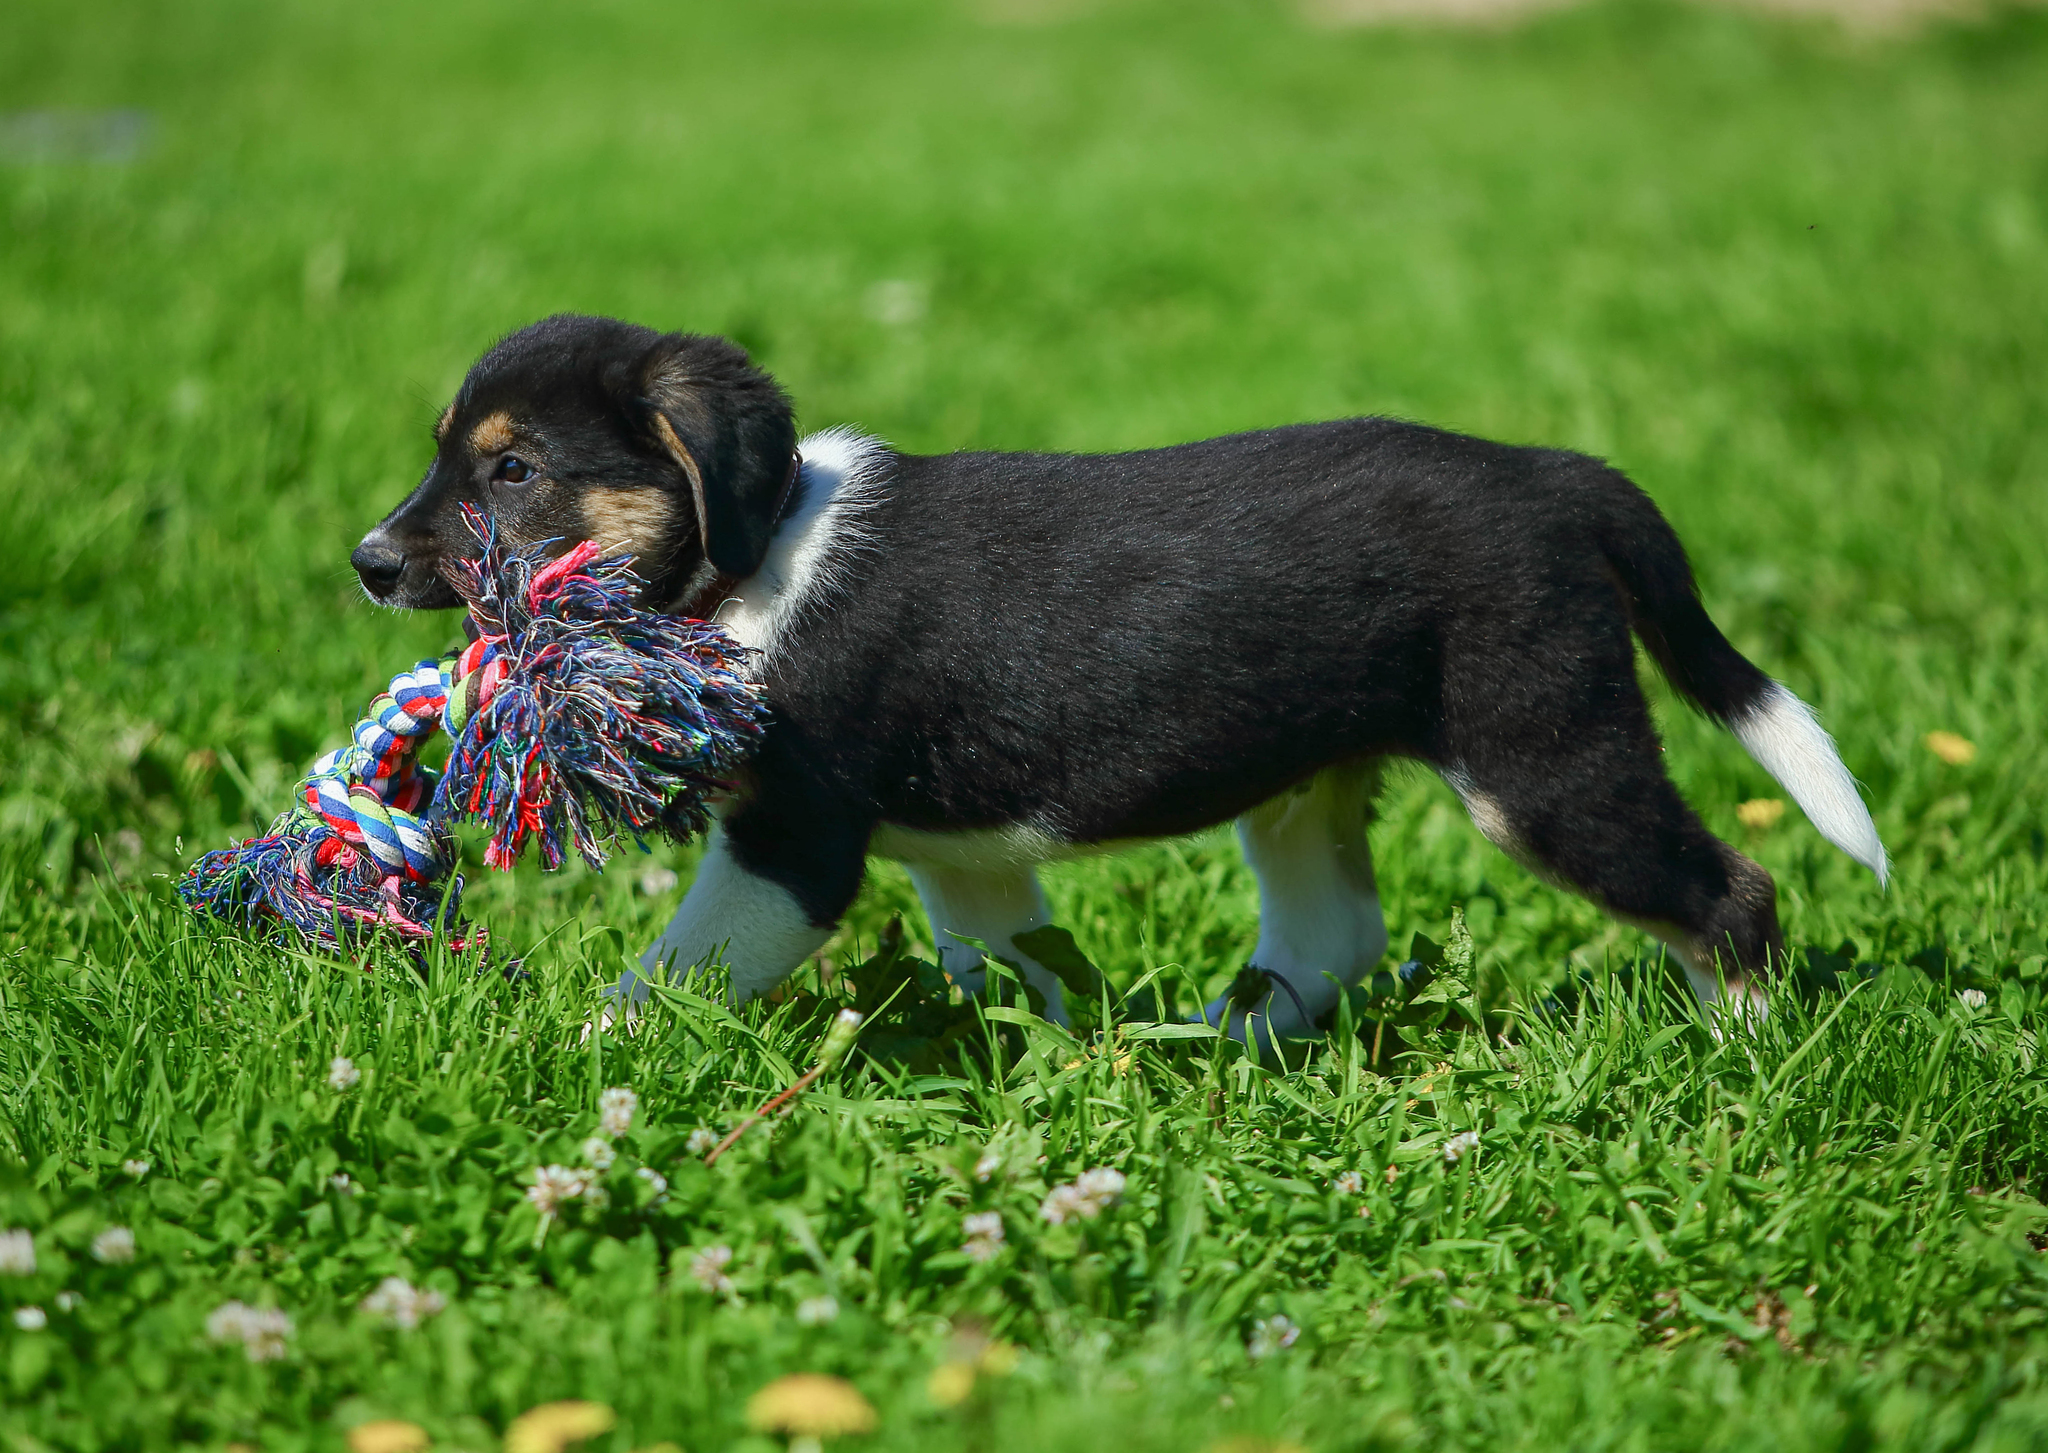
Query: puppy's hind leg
{"points": [[1320, 926], [1603, 819]]}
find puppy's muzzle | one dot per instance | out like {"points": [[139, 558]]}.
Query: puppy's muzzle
{"points": [[379, 566]]}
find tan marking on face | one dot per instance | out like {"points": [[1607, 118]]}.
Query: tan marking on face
{"points": [[441, 425], [622, 520], [493, 434]]}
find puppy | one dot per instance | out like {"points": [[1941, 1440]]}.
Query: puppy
{"points": [[980, 662]]}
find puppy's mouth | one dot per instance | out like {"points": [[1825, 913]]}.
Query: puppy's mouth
{"points": [[402, 580], [421, 580]]}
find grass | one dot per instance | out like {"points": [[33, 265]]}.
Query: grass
{"points": [[1795, 283]]}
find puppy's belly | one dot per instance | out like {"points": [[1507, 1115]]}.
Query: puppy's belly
{"points": [[1018, 845]]}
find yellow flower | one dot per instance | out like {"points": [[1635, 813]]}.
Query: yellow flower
{"points": [[1247, 1443], [551, 1427], [808, 1406], [1760, 814], [1952, 749], [387, 1435], [974, 1354], [950, 1384]]}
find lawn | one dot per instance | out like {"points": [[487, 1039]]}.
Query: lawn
{"points": [[1794, 280]]}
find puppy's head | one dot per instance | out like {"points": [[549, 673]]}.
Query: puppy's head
{"points": [[670, 446]]}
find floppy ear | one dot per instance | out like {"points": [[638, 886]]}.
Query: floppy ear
{"points": [[730, 427]]}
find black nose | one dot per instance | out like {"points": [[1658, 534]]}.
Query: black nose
{"points": [[379, 566]]}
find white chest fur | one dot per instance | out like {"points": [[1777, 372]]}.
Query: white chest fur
{"points": [[844, 474]]}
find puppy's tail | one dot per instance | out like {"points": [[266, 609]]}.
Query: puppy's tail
{"points": [[1774, 726]]}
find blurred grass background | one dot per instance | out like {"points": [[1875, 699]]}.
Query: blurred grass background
{"points": [[1792, 276]]}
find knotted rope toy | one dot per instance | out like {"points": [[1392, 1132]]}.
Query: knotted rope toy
{"points": [[573, 715]]}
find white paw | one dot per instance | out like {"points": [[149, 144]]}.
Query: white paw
{"points": [[968, 970], [1261, 1014], [620, 1009], [1739, 1008]]}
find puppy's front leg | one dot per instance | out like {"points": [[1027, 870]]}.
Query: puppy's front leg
{"points": [[993, 905], [732, 914]]}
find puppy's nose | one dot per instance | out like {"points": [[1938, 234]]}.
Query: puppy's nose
{"points": [[379, 566]]}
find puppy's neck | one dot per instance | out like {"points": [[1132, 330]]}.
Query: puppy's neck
{"points": [[822, 527]]}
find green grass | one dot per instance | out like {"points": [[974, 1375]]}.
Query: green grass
{"points": [[1795, 284]]}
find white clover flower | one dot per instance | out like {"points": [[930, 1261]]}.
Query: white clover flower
{"points": [[1972, 998], [342, 1074], [615, 1109], [261, 1330], [599, 1153], [839, 1036], [1063, 1204], [1276, 1334], [136, 1169], [1085, 1198], [554, 1184], [985, 1236], [708, 1267], [340, 1181], [68, 1301], [114, 1245], [987, 1166], [1348, 1184], [597, 1198], [701, 1142], [17, 1253], [30, 1319], [1104, 1186], [1457, 1145], [402, 1304], [658, 880], [816, 1311], [655, 1179]]}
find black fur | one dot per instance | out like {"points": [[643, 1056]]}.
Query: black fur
{"points": [[1136, 645], [1146, 644]]}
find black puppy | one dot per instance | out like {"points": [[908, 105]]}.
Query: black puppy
{"points": [[978, 662]]}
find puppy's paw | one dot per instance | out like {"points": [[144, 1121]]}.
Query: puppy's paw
{"points": [[1730, 1006], [619, 1013], [1262, 1008]]}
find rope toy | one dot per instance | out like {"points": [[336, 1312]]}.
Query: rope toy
{"points": [[572, 714]]}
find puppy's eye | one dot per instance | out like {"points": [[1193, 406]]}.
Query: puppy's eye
{"points": [[513, 470]]}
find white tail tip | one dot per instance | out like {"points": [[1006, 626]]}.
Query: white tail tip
{"points": [[1780, 731]]}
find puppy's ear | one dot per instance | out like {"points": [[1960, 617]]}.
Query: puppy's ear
{"points": [[730, 428]]}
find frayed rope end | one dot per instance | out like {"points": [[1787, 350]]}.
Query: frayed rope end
{"points": [[304, 877]]}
